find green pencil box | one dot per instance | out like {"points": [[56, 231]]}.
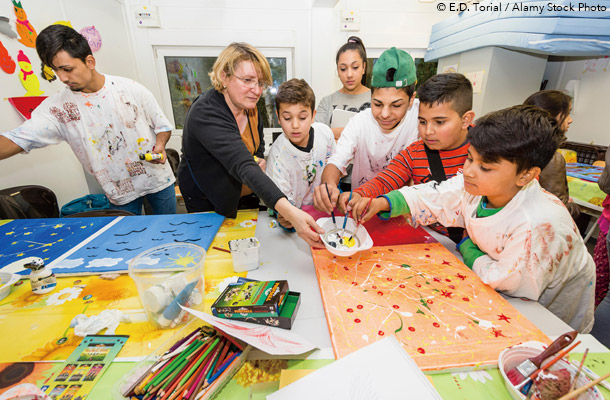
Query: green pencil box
{"points": [[285, 320]]}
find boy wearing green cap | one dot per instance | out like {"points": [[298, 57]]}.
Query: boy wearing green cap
{"points": [[373, 137]]}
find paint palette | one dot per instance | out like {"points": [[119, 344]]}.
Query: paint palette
{"points": [[337, 240]]}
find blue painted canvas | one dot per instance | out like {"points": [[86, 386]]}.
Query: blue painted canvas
{"points": [[45, 238], [115, 247]]}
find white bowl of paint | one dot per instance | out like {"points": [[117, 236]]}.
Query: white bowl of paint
{"points": [[337, 240], [7, 280]]}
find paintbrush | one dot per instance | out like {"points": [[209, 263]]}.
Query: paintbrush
{"points": [[584, 388], [592, 375], [519, 373], [366, 209], [345, 218], [525, 386], [332, 213], [582, 362]]}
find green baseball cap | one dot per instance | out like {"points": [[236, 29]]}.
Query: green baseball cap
{"points": [[401, 62]]}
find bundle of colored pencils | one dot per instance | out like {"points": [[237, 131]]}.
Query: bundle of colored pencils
{"points": [[188, 368]]}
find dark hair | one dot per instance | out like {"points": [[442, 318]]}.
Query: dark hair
{"points": [[524, 135], [55, 38], [295, 91], [451, 88], [354, 43], [555, 102]]}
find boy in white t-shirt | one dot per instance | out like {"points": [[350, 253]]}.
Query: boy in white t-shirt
{"points": [[296, 159], [373, 137]]}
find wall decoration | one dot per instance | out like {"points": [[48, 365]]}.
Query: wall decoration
{"points": [[26, 105], [45, 238], [115, 247], [6, 62], [93, 37], [27, 77], [66, 23], [47, 73], [5, 28], [444, 316], [26, 31]]}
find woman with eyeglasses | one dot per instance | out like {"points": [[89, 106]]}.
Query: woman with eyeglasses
{"points": [[222, 144]]}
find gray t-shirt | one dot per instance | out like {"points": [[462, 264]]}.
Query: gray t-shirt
{"points": [[347, 102]]}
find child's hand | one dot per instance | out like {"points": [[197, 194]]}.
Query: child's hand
{"points": [[361, 213], [284, 222], [342, 203], [325, 197]]}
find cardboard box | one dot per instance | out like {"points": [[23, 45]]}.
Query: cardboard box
{"points": [[252, 297], [284, 320]]}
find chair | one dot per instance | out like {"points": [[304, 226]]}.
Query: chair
{"points": [[173, 157], [29, 201], [100, 213]]}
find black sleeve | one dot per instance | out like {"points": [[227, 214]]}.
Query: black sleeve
{"points": [[260, 152]]}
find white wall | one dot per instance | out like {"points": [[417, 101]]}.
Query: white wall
{"points": [[309, 29], [591, 104]]}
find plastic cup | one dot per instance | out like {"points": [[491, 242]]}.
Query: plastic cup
{"points": [[244, 253], [168, 276]]}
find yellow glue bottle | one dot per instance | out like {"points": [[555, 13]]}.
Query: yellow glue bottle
{"points": [[151, 156]]}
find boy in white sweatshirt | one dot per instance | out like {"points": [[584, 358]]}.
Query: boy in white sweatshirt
{"points": [[521, 239]]}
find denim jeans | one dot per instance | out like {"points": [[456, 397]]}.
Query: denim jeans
{"points": [[162, 202], [601, 326]]}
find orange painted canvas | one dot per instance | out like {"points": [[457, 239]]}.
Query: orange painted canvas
{"points": [[444, 316]]}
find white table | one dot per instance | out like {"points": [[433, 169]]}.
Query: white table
{"points": [[283, 255]]}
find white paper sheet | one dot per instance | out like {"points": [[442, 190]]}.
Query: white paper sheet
{"points": [[382, 370], [274, 341]]}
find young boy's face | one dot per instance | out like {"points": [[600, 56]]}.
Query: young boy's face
{"points": [[389, 106], [295, 120], [441, 127], [499, 182]]}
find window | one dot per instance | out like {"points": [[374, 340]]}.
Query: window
{"points": [[187, 77]]}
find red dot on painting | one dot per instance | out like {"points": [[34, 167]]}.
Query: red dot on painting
{"points": [[435, 324], [381, 333], [451, 287], [420, 350], [447, 280], [401, 286], [378, 266], [412, 329], [465, 299], [395, 306], [390, 250], [418, 285], [429, 301], [374, 252], [380, 293], [389, 279], [374, 287], [359, 306], [357, 320], [428, 255], [349, 258], [354, 283], [334, 256], [349, 310], [427, 249], [345, 268]]}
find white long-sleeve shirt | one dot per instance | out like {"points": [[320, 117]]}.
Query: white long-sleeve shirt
{"points": [[297, 172], [533, 248], [371, 150]]}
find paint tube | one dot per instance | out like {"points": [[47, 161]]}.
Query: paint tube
{"points": [[151, 156]]}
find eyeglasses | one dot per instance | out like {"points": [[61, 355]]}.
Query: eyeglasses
{"points": [[252, 83]]}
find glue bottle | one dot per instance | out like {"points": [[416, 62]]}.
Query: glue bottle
{"points": [[42, 278], [151, 156]]}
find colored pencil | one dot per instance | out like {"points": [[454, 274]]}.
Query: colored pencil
{"points": [[201, 378], [222, 355], [223, 367], [171, 366], [230, 339], [193, 368]]}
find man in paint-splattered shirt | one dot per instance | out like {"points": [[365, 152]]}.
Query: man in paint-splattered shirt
{"points": [[108, 122]]}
